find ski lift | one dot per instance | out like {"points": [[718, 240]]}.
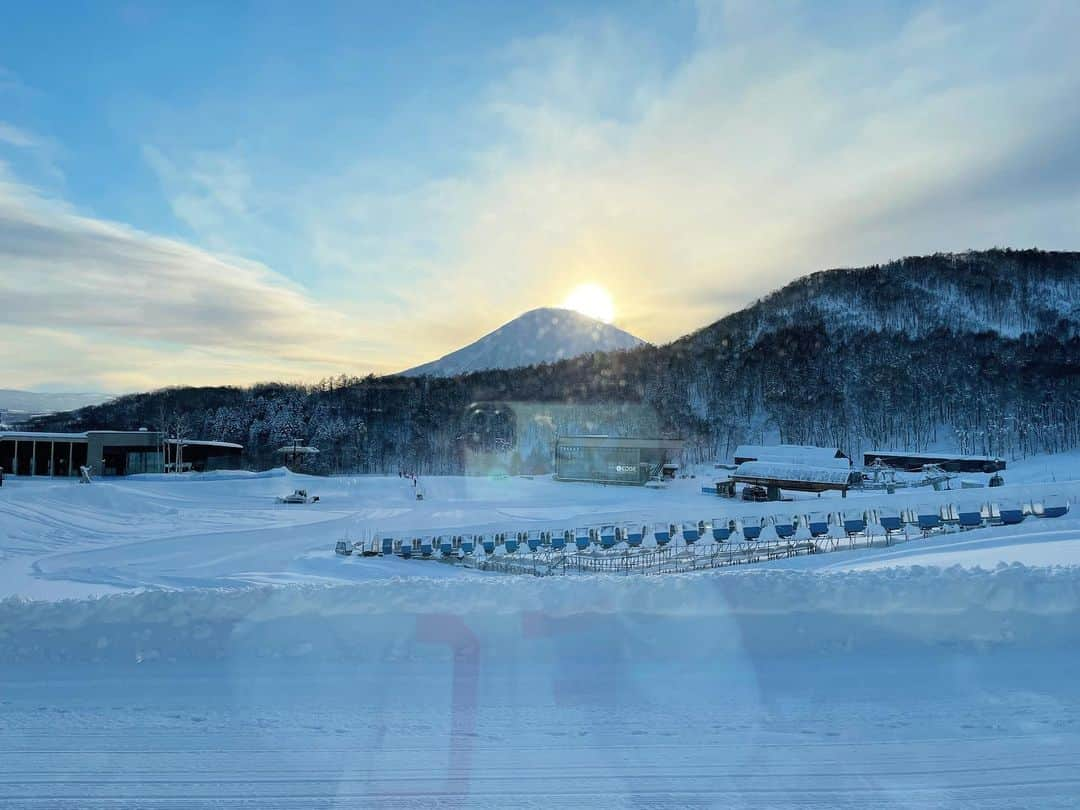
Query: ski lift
{"points": [[344, 548]]}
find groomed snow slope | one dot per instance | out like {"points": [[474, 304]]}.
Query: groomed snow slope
{"points": [[847, 680]]}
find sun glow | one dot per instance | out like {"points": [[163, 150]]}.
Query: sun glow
{"points": [[592, 300]]}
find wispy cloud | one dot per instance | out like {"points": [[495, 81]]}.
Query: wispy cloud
{"points": [[115, 307]]}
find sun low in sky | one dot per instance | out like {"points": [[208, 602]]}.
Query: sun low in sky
{"points": [[592, 300]]}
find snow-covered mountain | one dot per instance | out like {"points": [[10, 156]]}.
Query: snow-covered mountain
{"points": [[539, 336]]}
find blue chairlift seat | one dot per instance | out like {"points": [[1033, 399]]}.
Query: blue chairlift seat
{"points": [[634, 536], [1055, 506], [721, 530], [854, 523], [970, 517], [751, 528], [929, 518], [890, 521], [1011, 514], [608, 537], [690, 533], [818, 524], [784, 526], [662, 534]]}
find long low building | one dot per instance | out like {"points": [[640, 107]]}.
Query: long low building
{"points": [[613, 459], [110, 452], [805, 454], [949, 462]]}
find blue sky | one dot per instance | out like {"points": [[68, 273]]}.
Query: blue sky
{"points": [[220, 192]]}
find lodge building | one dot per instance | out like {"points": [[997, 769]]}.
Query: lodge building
{"points": [[110, 452]]}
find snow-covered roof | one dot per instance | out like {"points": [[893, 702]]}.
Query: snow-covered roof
{"points": [[204, 443], [793, 454], [32, 435], [928, 456], [300, 450], [780, 471]]}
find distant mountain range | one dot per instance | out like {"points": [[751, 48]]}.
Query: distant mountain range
{"points": [[27, 403], [544, 335], [978, 351]]}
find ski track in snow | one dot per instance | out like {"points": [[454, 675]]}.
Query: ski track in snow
{"points": [[229, 659]]}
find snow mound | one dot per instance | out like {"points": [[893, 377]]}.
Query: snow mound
{"points": [[766, 612]]}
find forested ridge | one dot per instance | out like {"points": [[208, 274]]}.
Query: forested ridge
{"points": [[980, 350]]}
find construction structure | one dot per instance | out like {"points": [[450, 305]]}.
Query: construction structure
{"points": [[110, 452], [776, 476], [614, 459]]}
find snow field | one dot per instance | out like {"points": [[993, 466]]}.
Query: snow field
{"points": [[229, 659]]}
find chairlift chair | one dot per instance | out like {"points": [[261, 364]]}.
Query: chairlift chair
{"points": [[721, 529], [751, 528], [784, 526], [890, 520], [853, 523], [608, 537], [1009, 513], [970, 516], [929, 519], [818, 524], [662, 534], [1055, 506]]}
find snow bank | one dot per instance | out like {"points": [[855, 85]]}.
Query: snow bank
{"points": [[758, 612]]}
